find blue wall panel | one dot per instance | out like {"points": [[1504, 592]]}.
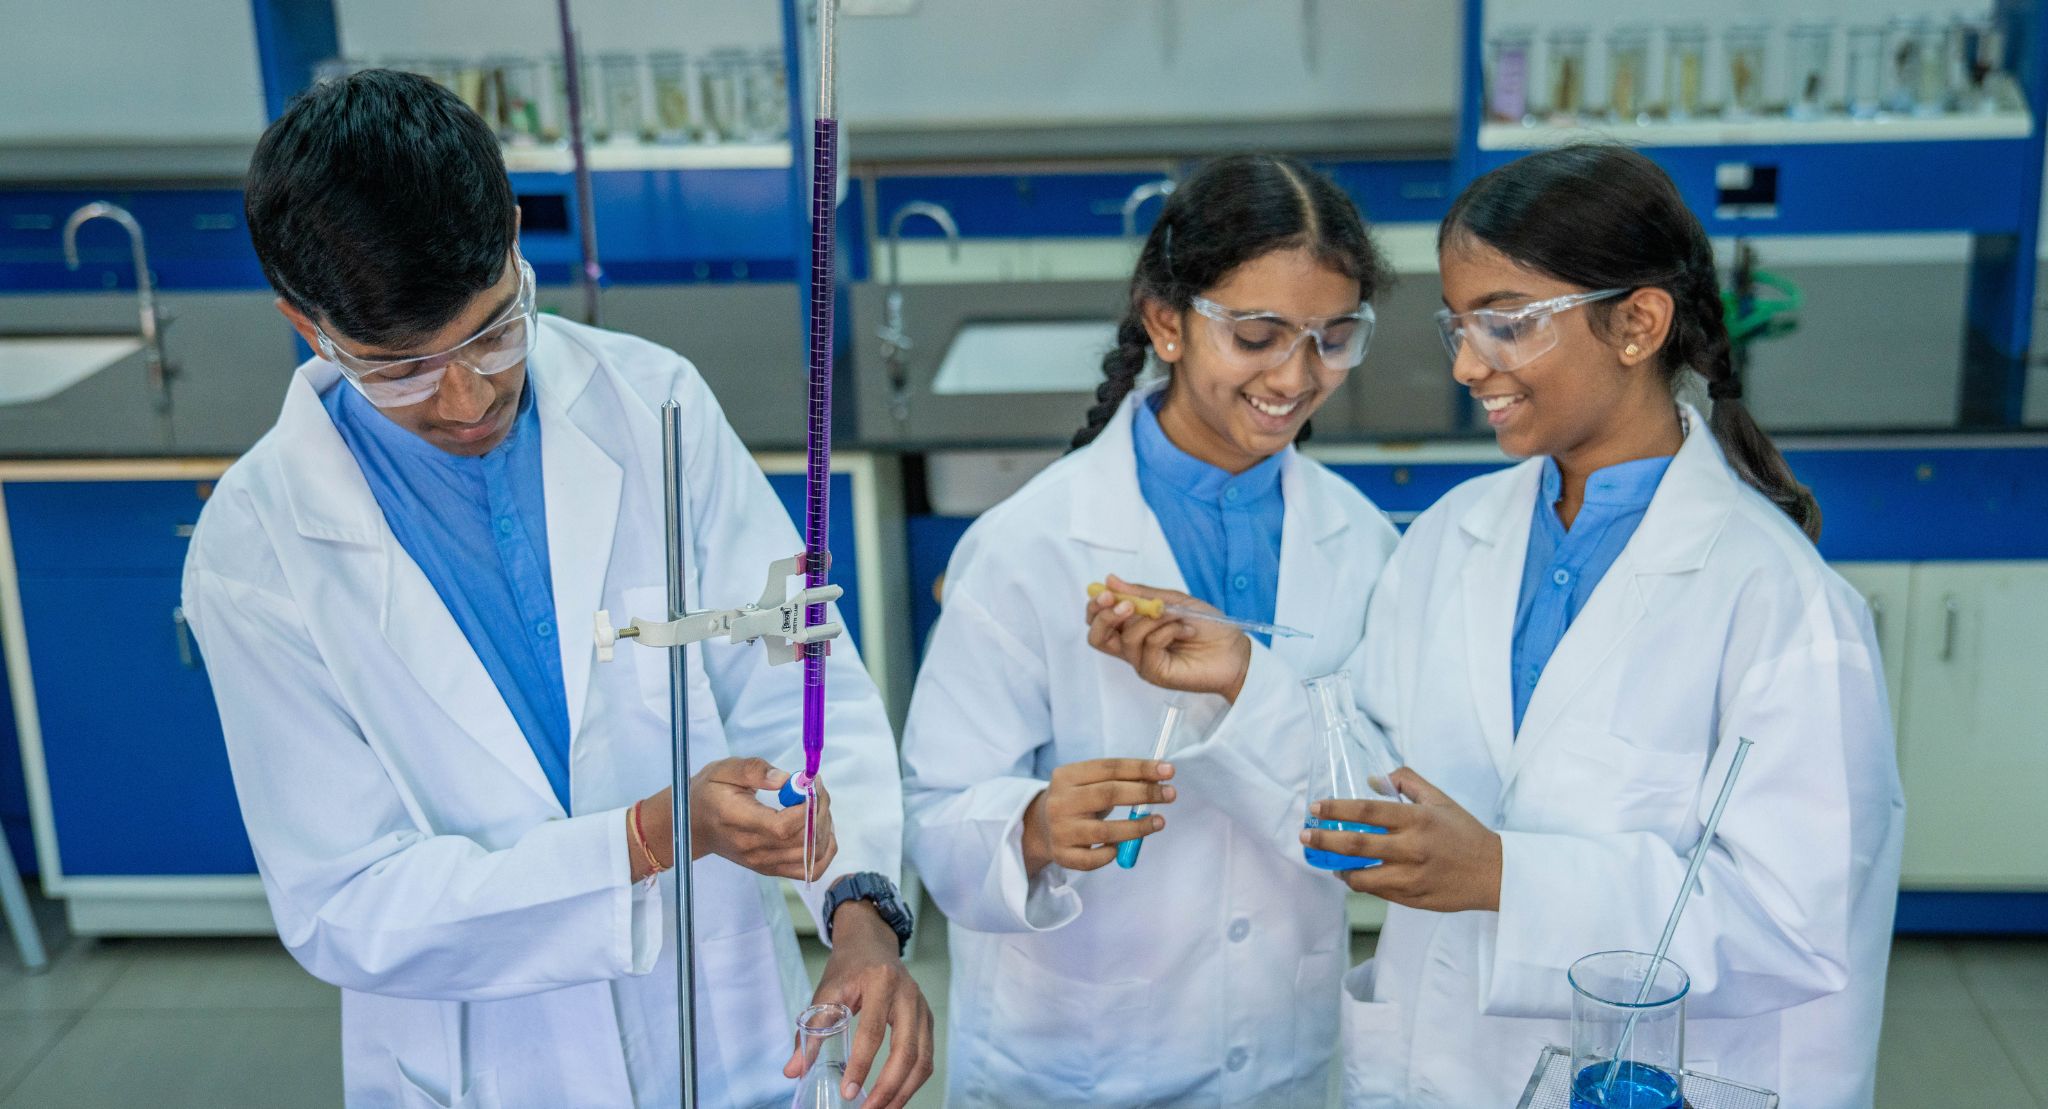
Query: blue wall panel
{"points": [[845, 563]]}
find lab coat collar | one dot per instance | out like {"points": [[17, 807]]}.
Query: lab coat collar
{"points": [[331, 501], [1107, 510]]}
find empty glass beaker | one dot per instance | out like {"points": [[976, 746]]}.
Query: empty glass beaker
{"points": [[1567, 71], [1866, 71], [1746, 47], [1349, 761], [822, 1032], [1628, 74], [1685, 71], [1507, 74], [1811, 47], [1628, 1045]]}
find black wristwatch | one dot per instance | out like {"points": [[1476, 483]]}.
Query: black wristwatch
{"points": [[878, 891]]}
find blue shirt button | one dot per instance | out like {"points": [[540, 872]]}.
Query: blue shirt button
{"points": [[544, 629], [1230, 494], [1240, 583], [1562, 577], [505, 525]]}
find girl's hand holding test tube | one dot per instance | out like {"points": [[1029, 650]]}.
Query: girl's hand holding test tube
{"points": [[1193, 656], [1069, 822]]}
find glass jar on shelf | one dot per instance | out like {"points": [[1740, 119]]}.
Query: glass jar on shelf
{"points": [[624, 115], [1865, 72], [722, 75], [513, 94], [1628, 74], [595, 128], [673, 119], [1567, 84], [1685, 71], [1748, 50], [1510, 54], [767, 97], [1932, 91], [1811, 48]]}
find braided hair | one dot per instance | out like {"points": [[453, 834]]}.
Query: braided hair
{"points": [[1233, 210], [1602, 216]]}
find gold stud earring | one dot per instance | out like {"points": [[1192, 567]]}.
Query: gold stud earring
{"points": [[1631, 350]]}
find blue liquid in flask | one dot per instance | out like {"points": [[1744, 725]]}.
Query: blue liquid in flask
{"points": [[1634, 1086], [1330, 860]]}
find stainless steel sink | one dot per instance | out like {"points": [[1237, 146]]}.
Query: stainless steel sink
{"points": [[37, 367]]}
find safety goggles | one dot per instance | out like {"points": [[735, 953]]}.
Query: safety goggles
{"points": [[1509, 338], [1260, 341], [503, 343]]}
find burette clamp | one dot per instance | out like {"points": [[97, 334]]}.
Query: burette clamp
{"points": [[777, 619]]}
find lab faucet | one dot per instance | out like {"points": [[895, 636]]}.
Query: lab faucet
{"points": [[1150, 189], [895, 344], [145, 288]]}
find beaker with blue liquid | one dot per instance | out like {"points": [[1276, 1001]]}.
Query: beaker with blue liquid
{"points": [[1348, 761], [1628, 1042]]}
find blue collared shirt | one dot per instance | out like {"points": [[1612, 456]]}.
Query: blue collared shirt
{"points": [[477, 527], [1563, 567], [1224, 530]]}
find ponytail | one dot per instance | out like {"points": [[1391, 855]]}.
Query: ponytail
{"points": [[1700, 341], [1602, 216], [1120, 370]]}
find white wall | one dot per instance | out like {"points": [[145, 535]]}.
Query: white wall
{"points": [[128, 70], [980, 61]]}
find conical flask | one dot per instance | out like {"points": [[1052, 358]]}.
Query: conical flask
{"points": [[821, 1033], [1348, 761]]}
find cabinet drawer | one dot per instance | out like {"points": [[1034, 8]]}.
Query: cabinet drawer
{"points": [[131, 742], [82, 527]]}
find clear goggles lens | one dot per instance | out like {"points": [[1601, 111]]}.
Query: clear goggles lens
{"points": [[395, 383], [1262, 341], [1509, 338]]}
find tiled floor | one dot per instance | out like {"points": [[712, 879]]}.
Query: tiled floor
{"points": [[177, 1023]]}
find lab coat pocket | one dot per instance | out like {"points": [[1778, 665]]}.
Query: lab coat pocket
{"points": [[1066, 1033], [482, 1093], [1597, 782], [1375, 1044]]}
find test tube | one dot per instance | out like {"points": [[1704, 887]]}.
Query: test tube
{"points": [[1567, 72], [1866, 72], [1685, 71], [670, 70], [1811, 45], [1628, 74], [1507, 87], [1746, 54]]}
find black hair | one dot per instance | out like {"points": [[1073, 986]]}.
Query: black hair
{"points": [[1231, 211], [379, 202], [1602, 216]]}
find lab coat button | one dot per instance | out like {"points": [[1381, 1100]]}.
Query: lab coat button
{"points": [[1237, 1058], [1239, 929]]}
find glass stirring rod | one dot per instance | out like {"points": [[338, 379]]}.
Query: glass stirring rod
{"points": [[1155, 608], [1169, 719]]}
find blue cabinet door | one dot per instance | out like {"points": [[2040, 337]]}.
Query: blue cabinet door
{"points": [[138, 772]]}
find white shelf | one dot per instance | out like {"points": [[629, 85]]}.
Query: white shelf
{"points": [[1760, 132], [643, 156]]}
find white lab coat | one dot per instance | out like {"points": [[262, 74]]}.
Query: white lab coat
{"points": [[491, 949], [1207, 975], [1718, 620]]}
